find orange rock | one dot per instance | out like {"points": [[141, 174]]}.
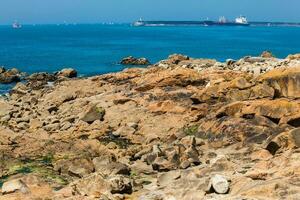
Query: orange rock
{"points": [[285, 81]]}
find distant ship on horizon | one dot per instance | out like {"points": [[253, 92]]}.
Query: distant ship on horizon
{"points": [[16, 25], [239, 21]]}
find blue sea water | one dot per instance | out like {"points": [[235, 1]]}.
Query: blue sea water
{"points": [[97, 49]]}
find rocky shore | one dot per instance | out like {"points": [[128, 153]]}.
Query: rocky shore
{"points": [[181, 129]]}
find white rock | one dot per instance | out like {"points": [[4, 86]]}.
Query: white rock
{"points": [[256, 71], [220, 184], [13, 186]]}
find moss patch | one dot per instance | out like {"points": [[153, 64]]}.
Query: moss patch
{"points": [[42, 167], [191, 130]]}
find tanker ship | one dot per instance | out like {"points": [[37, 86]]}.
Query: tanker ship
{"points": [[239, 21]]}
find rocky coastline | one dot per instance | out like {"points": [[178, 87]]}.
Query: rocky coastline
{"points": [[180, 129]]}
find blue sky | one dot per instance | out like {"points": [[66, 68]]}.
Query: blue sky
{"points": [[91, 11]]}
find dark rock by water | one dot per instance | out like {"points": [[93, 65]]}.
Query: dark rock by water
{"points": [[134, 61]]}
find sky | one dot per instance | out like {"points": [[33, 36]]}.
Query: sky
{"points": [[95, 11]]}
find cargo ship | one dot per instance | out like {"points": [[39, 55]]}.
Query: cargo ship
{"points": [[239, 21]]}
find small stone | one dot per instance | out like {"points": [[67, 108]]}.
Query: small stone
{"points": [[120, 185], [133, 125], [185, 164], [219, 184]]}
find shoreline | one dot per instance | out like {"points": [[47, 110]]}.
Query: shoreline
{"points": [[198, 65]]}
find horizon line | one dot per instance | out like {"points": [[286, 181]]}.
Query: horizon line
{"points": [[120, 23]]}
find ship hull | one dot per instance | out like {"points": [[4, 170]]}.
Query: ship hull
{"points": [[187, 23]]}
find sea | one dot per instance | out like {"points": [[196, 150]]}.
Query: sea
{"points": [[97, 49]]}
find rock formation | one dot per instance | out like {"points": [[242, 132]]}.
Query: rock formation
{"points": [[130, 60], [9, 76], [180, 129]]}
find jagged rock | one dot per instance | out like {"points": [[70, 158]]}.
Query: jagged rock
{"points": [[285, 140], [14, 186], [120, 185], [134, 61], [285, 81], [292, 120]]}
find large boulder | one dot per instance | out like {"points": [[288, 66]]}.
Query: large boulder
{"points": [[108, 167], [130, 60], [2, 70], [93, 113], [285, 81], [267, 54], [294, 57], [67, 72], [14, 186], [285, 140], [10, 76], [39, 80], [41, 76], [272, 109], [177, 58], [96, 185]]}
